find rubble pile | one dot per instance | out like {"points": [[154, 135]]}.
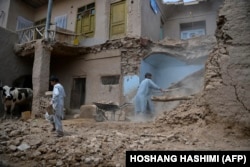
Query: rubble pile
{"points": [[32, 141], [90, 143]]}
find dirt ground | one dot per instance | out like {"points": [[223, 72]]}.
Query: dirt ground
{"points": [[90, 143]]}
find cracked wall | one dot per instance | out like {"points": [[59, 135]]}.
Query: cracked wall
{"points": [[227, 80]]}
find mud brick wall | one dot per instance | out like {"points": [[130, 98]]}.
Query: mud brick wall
{"points": [[227, 80]]}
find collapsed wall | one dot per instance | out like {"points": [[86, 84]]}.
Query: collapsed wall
{"points": [[227, 78], [225, 97]]}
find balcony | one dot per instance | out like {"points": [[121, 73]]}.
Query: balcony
{"points": [[63, 42], [54, 34]]}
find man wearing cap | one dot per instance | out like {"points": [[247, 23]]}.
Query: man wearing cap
{"points": [[57, 103], [143, 103]]}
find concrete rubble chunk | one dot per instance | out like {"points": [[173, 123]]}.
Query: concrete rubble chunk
{"points": [[12, 148], [23, 147]]}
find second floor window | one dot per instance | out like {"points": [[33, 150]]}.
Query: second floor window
{"points": [[193, 29], [85, 23]]}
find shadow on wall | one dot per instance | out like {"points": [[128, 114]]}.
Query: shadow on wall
{"points": [[1, 102], [24, 81]]}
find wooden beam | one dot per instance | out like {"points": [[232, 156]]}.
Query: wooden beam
{"points": [[167, 98]]}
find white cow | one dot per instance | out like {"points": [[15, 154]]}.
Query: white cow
{"points": [[12, 96]]}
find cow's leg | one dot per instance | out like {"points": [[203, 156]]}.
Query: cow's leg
{"points": [[5, 111], [11, 110]]}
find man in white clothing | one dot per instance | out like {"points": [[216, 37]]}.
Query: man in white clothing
{"points": [[57, 103], [143, 103]]}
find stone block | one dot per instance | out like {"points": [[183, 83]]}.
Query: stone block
{"points": [[87, 111]]}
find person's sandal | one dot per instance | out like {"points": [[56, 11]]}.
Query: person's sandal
{"points": [[59, 134], [54, 128]]}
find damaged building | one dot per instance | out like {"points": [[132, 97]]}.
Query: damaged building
{"points": [[101, 49]]}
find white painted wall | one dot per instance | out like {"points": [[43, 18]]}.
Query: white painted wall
{"points": [[134, 17], [151, 22]]}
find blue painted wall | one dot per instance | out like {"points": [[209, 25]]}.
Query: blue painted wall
{"points": [[166, 70]]}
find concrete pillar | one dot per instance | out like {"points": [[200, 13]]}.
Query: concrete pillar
{"points": [[40, 76]]}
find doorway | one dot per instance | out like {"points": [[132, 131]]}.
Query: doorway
{"points": [[78, 92]]}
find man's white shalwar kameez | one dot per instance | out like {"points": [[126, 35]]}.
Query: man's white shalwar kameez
{"points": [[143, 103], [58, 106]]}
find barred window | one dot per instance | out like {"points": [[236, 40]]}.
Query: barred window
{"points": [[110, 80], [85, 21]]}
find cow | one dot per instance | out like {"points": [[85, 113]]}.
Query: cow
{"points": [[12, 96]]}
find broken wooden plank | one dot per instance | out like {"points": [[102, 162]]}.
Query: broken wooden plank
{"points": [[167, 98]]}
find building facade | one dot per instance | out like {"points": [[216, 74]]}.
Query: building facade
{"points": [[106, 45]]}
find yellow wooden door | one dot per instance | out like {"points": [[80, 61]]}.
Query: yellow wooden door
{"points": [[118, 19], [85, 24], [79, 24], [92, 24], [88, 25]]}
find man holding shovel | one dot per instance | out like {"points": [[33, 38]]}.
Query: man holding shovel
{"points": [[143, 103]]}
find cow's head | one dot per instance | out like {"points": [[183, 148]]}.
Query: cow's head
{"points": [[7, 92]]}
